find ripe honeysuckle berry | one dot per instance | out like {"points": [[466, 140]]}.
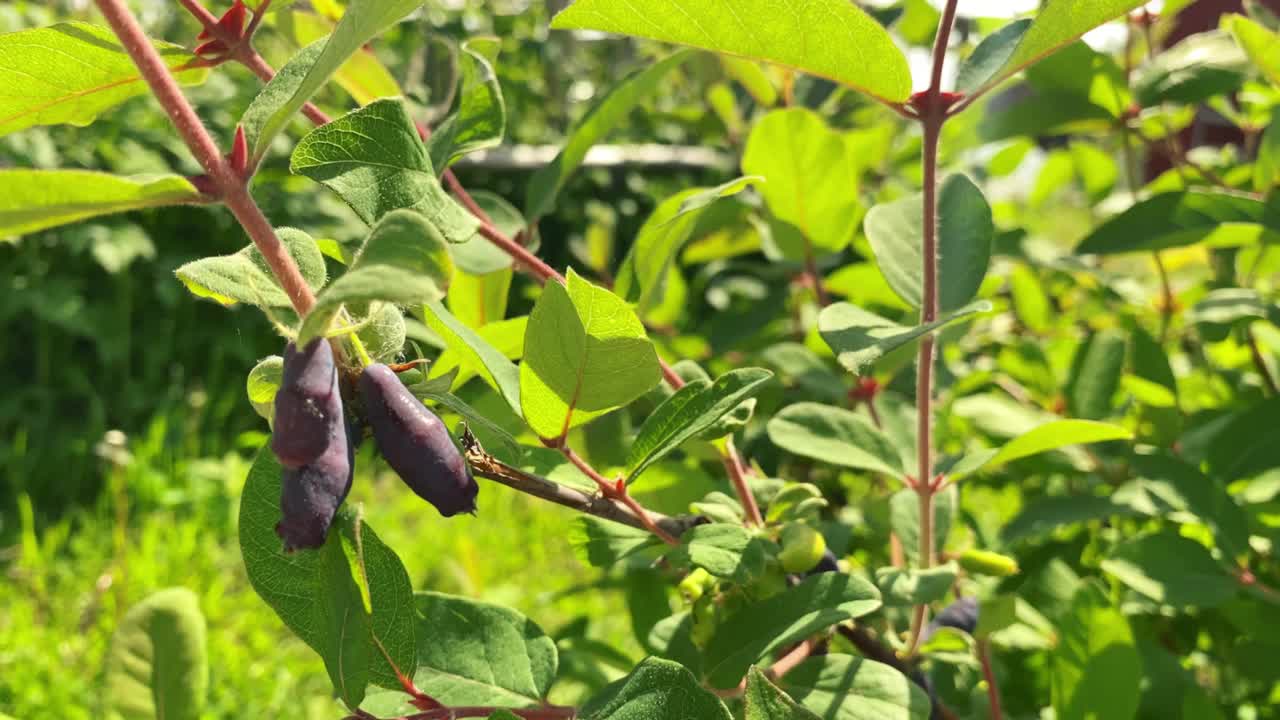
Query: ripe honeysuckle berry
{"points": [[310, 495], [961, 615], [308, 406], [802, 548], [416, 443], [985, 562]]}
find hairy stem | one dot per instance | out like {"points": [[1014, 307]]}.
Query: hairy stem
{"points": [[933, 116], [232, 188]]}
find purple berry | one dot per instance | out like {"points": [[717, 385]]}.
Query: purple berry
{"points": [[308, 406], [961, 614], [416, 444], [311, 494]]}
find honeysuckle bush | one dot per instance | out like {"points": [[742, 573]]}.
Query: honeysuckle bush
{"points": [[991, 400]]}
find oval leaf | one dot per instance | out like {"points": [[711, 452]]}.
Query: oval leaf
{"points": [[841, 687], [832, 39], [158, 668], [32, 200], [690, 411], [834, 435]]}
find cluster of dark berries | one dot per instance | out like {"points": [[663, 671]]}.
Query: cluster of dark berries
{"points": [[316, 445]]}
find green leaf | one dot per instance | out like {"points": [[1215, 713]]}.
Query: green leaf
{"points": [[1266, 169], [765, 701], [1260, 44], [812, 180], [600, 543], [362, 75], [272, 97], [860, 338], [842, 687], [476, 353], [751, 633], [1245, 446], [374, 159], [693, 409], [1095, 375], [261, 386], [1030, 301], [32, 200], [604, 116], [1095, 666], [904, 518], [965, 234], [327, 597], [656, 690], [362, 21], [245, 276], [834, 435], [724, 550], [71, 73], [1192, 71], [1048, 514], [404, 261], [902, 588], [642, 274], [831, 39], [990, 56], [1187, 217], [1058, 23], [481, 118], [585, 354], [1170, 569], [1049, 436], [476, 653], [1180, 487], [382, 331], [1225, 306], [158, 667]]}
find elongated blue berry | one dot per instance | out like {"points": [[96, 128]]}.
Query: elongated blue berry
{"points": [[310, 495], [308, 406], [416, 444]]}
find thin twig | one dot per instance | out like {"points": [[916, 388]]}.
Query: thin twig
{"points": [[1260, 362], [617, 491], [487, 466]]}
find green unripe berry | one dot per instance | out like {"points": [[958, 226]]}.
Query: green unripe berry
{"points": [[985, 562], [695, 584], [802, 548]]}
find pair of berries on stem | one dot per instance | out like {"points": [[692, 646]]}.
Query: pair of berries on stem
{"points": [[314, 441]]}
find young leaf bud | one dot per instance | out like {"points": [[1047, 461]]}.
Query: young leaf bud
{"points": [[308, 406], [416, 444]]}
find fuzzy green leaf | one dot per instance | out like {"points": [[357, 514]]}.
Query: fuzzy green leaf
{"points": [[1187, 217], [375, 160], [765, 701], [245, 276], [404, 261], [842, 687]]}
